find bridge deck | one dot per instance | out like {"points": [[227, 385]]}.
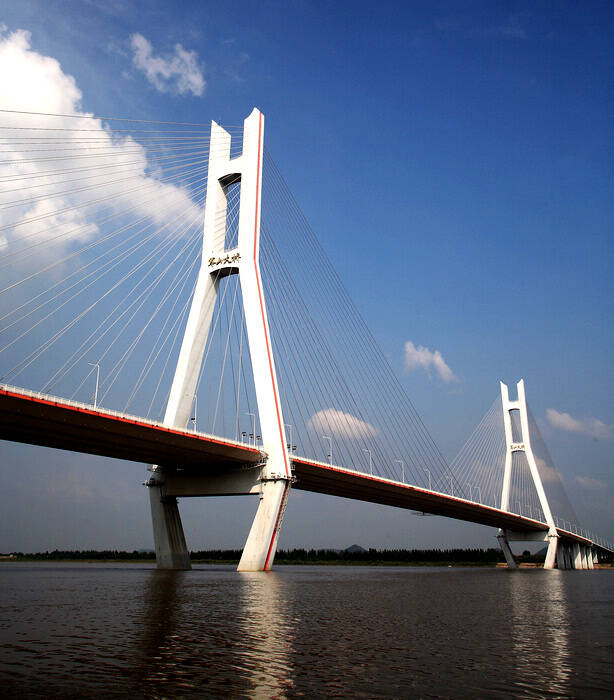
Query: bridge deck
{"points": [[336, 481], [42, 420], [39, 420]]}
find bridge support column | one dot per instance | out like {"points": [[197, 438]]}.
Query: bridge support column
{"points": [[261, 544], [169, 540], [569, 557], [589, 558], [506, 549], [561, 557], [553, 541], [577, 556]]}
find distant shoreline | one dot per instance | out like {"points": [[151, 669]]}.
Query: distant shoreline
{"points": [[353, 556]]}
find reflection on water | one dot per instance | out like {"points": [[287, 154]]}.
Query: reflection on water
{"points": [[540, 630], [229, 634], [130, 631], [268, 631], [156, 661]]}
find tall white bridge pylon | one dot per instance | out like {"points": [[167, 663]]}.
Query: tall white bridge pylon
{"points": [[508, 461], [272, 481]]}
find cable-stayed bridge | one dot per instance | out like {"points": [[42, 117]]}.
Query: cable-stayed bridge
{"points": [[233, 357]]}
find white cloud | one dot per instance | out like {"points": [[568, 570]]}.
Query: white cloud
{"points": [[179, 72], [340, 424], [31, 82], [588, 483], [423, 358], [592, 427], [546, 472]]}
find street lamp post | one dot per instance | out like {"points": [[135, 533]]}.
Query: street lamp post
{"points": [[330, 448], [253, 435], [428, 471], [97, 366], [370, 460], [195, 416], [400, 461], [288, 425]]}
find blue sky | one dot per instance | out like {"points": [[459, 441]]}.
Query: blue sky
{"points": [[456, 160]]}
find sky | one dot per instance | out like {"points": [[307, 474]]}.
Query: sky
{"points": [[456, 161]]}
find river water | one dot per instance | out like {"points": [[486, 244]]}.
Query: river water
{"points": [[124, 630]]}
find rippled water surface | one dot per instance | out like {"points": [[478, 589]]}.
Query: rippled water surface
{"points": [[104, 630]]}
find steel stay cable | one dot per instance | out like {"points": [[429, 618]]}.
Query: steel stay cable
{"points": [[23, 222], [141, 162], [240, 372], [113, 152], [27, 201], [167, 294], [231, 322], [284, 340], [279, 339], [164, 145], [120, 364], [108, 119], [339, 284], [292, 332], [234, 300], [97, 167], [171, 353], [99, 221], [118, 258], [142, 297], [313, 242], [476, 445], [334, 380], [279, 342], [316, 366], [138, 170], [167, 243], [329, 295], [97, 273], [162, 338], [51, 341], [212, 330]]}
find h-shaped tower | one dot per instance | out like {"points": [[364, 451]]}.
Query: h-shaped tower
{"points": [[273, 481], [522, 443]]}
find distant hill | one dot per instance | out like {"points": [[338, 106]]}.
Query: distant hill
{"points": [[355, 549]]}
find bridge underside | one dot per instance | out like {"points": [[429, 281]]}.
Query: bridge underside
{"points": [[41, 421]]}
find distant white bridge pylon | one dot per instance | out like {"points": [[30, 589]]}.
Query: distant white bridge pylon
{"points": [[507, 456]]}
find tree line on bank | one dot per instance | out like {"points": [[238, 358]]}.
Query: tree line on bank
{"points": [[307, 556], [352, 555]]}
